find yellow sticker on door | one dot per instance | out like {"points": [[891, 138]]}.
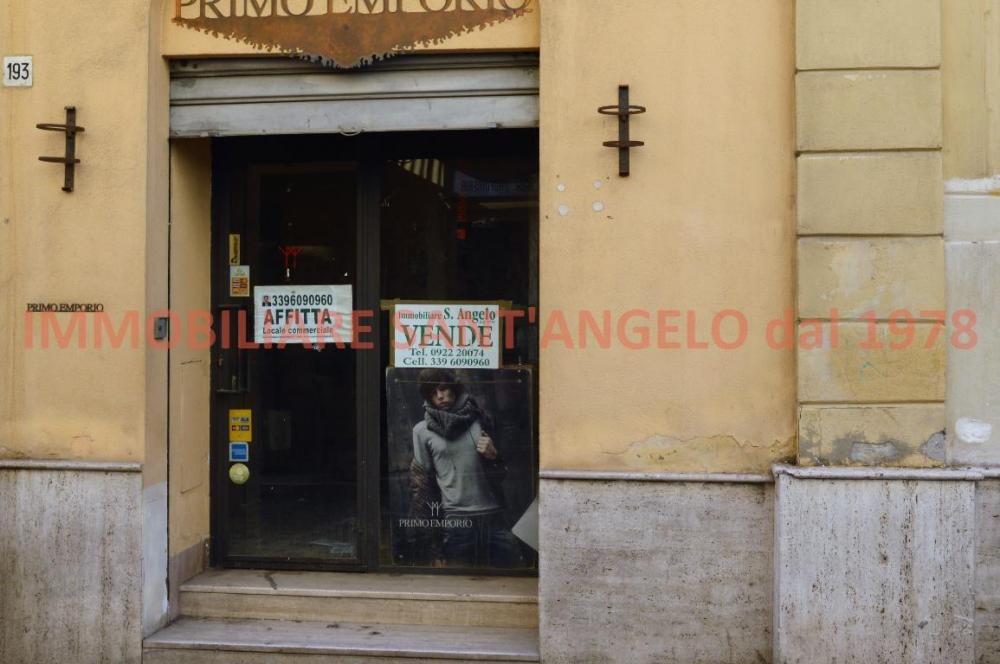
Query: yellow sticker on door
{"points": [[239, 281], [240, 426]]}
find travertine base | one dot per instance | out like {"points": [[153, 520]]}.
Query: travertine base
{"points": [[646, 571], [874, 570], [70, 564]]}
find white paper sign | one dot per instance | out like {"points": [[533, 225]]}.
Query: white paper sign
{"points": [[18, 71], [526, 528], [302, 314], [456, 336]]}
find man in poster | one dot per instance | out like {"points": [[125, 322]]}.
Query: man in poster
{"points": [[456, 477]]}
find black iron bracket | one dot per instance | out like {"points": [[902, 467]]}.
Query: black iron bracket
{"points": [[69, 161], [624, 110]]}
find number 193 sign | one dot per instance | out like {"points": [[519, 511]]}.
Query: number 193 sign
{"points": [[18, 71]]}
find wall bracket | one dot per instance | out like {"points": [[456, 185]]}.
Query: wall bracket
{"points": [[624, 110], [69, 161]]}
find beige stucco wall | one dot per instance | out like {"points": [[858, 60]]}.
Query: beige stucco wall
{"points": [[190, 371], [705, 222], [971, 82], [87, 246], [105, 242]]}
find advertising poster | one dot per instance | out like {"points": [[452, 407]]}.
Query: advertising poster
{"points": [[450, 335], [302, 314], [461, 461]]}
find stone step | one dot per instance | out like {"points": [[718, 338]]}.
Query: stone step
{"points": [[227, 641], [363, 598]]}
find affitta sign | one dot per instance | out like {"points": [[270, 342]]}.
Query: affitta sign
{"points": [[314, 315], [346, 33]]}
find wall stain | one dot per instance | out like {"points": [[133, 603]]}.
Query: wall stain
{"points": [[705, 454], [860, 449]]}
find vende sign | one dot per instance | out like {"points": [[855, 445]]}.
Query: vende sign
{"points": [[344, 32], [452, 335]]}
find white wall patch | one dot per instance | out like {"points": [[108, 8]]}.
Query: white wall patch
{"points": [[977, 186], [975, 432]]}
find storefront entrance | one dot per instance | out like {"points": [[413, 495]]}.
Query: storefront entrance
{"points": [[313, 454]]}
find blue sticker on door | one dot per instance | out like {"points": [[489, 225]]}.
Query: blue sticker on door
{"points": [[239, 452]]}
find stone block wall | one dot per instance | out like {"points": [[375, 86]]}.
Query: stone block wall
{"points": [[870, 219]]}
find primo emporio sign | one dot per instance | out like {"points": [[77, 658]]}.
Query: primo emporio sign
{"points": [[346, 32]]}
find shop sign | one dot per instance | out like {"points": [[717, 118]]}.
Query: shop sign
{"points": [[65, 307], [303, 314], [347, 33], [471, 187], [452, 335]]}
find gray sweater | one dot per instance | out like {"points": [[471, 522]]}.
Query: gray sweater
{"points": [[458, 468]]}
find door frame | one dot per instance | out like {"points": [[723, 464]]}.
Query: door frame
{"points": [[235, 209], [233, 162]]}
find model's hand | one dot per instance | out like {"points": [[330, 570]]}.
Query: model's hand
{"points": [[485, 447]]}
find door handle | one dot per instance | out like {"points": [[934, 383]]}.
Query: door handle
{"points": [[232, 371]]}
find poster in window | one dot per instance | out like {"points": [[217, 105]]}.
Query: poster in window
{"points": [[461, 467]]}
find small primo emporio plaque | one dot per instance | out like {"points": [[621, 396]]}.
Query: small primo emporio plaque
{"points": [[65, 307]]}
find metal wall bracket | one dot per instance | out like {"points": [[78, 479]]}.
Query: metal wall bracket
{"points": [[69, 161], [624, 111]]}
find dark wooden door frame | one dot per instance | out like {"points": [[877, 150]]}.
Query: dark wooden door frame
{"points": [[231, 170], [235, 209]]}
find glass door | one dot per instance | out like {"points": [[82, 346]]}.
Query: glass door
{"points": [[315, 457], [292, 489]]}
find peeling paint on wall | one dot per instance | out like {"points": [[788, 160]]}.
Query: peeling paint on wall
{"points": [[871, 454], [907, 435], [936, 447]]}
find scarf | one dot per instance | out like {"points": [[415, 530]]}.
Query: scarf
{"points": [[451, 423]]}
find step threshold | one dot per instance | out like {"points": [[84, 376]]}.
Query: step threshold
{"points": [[372, 586], [325, 638]]}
